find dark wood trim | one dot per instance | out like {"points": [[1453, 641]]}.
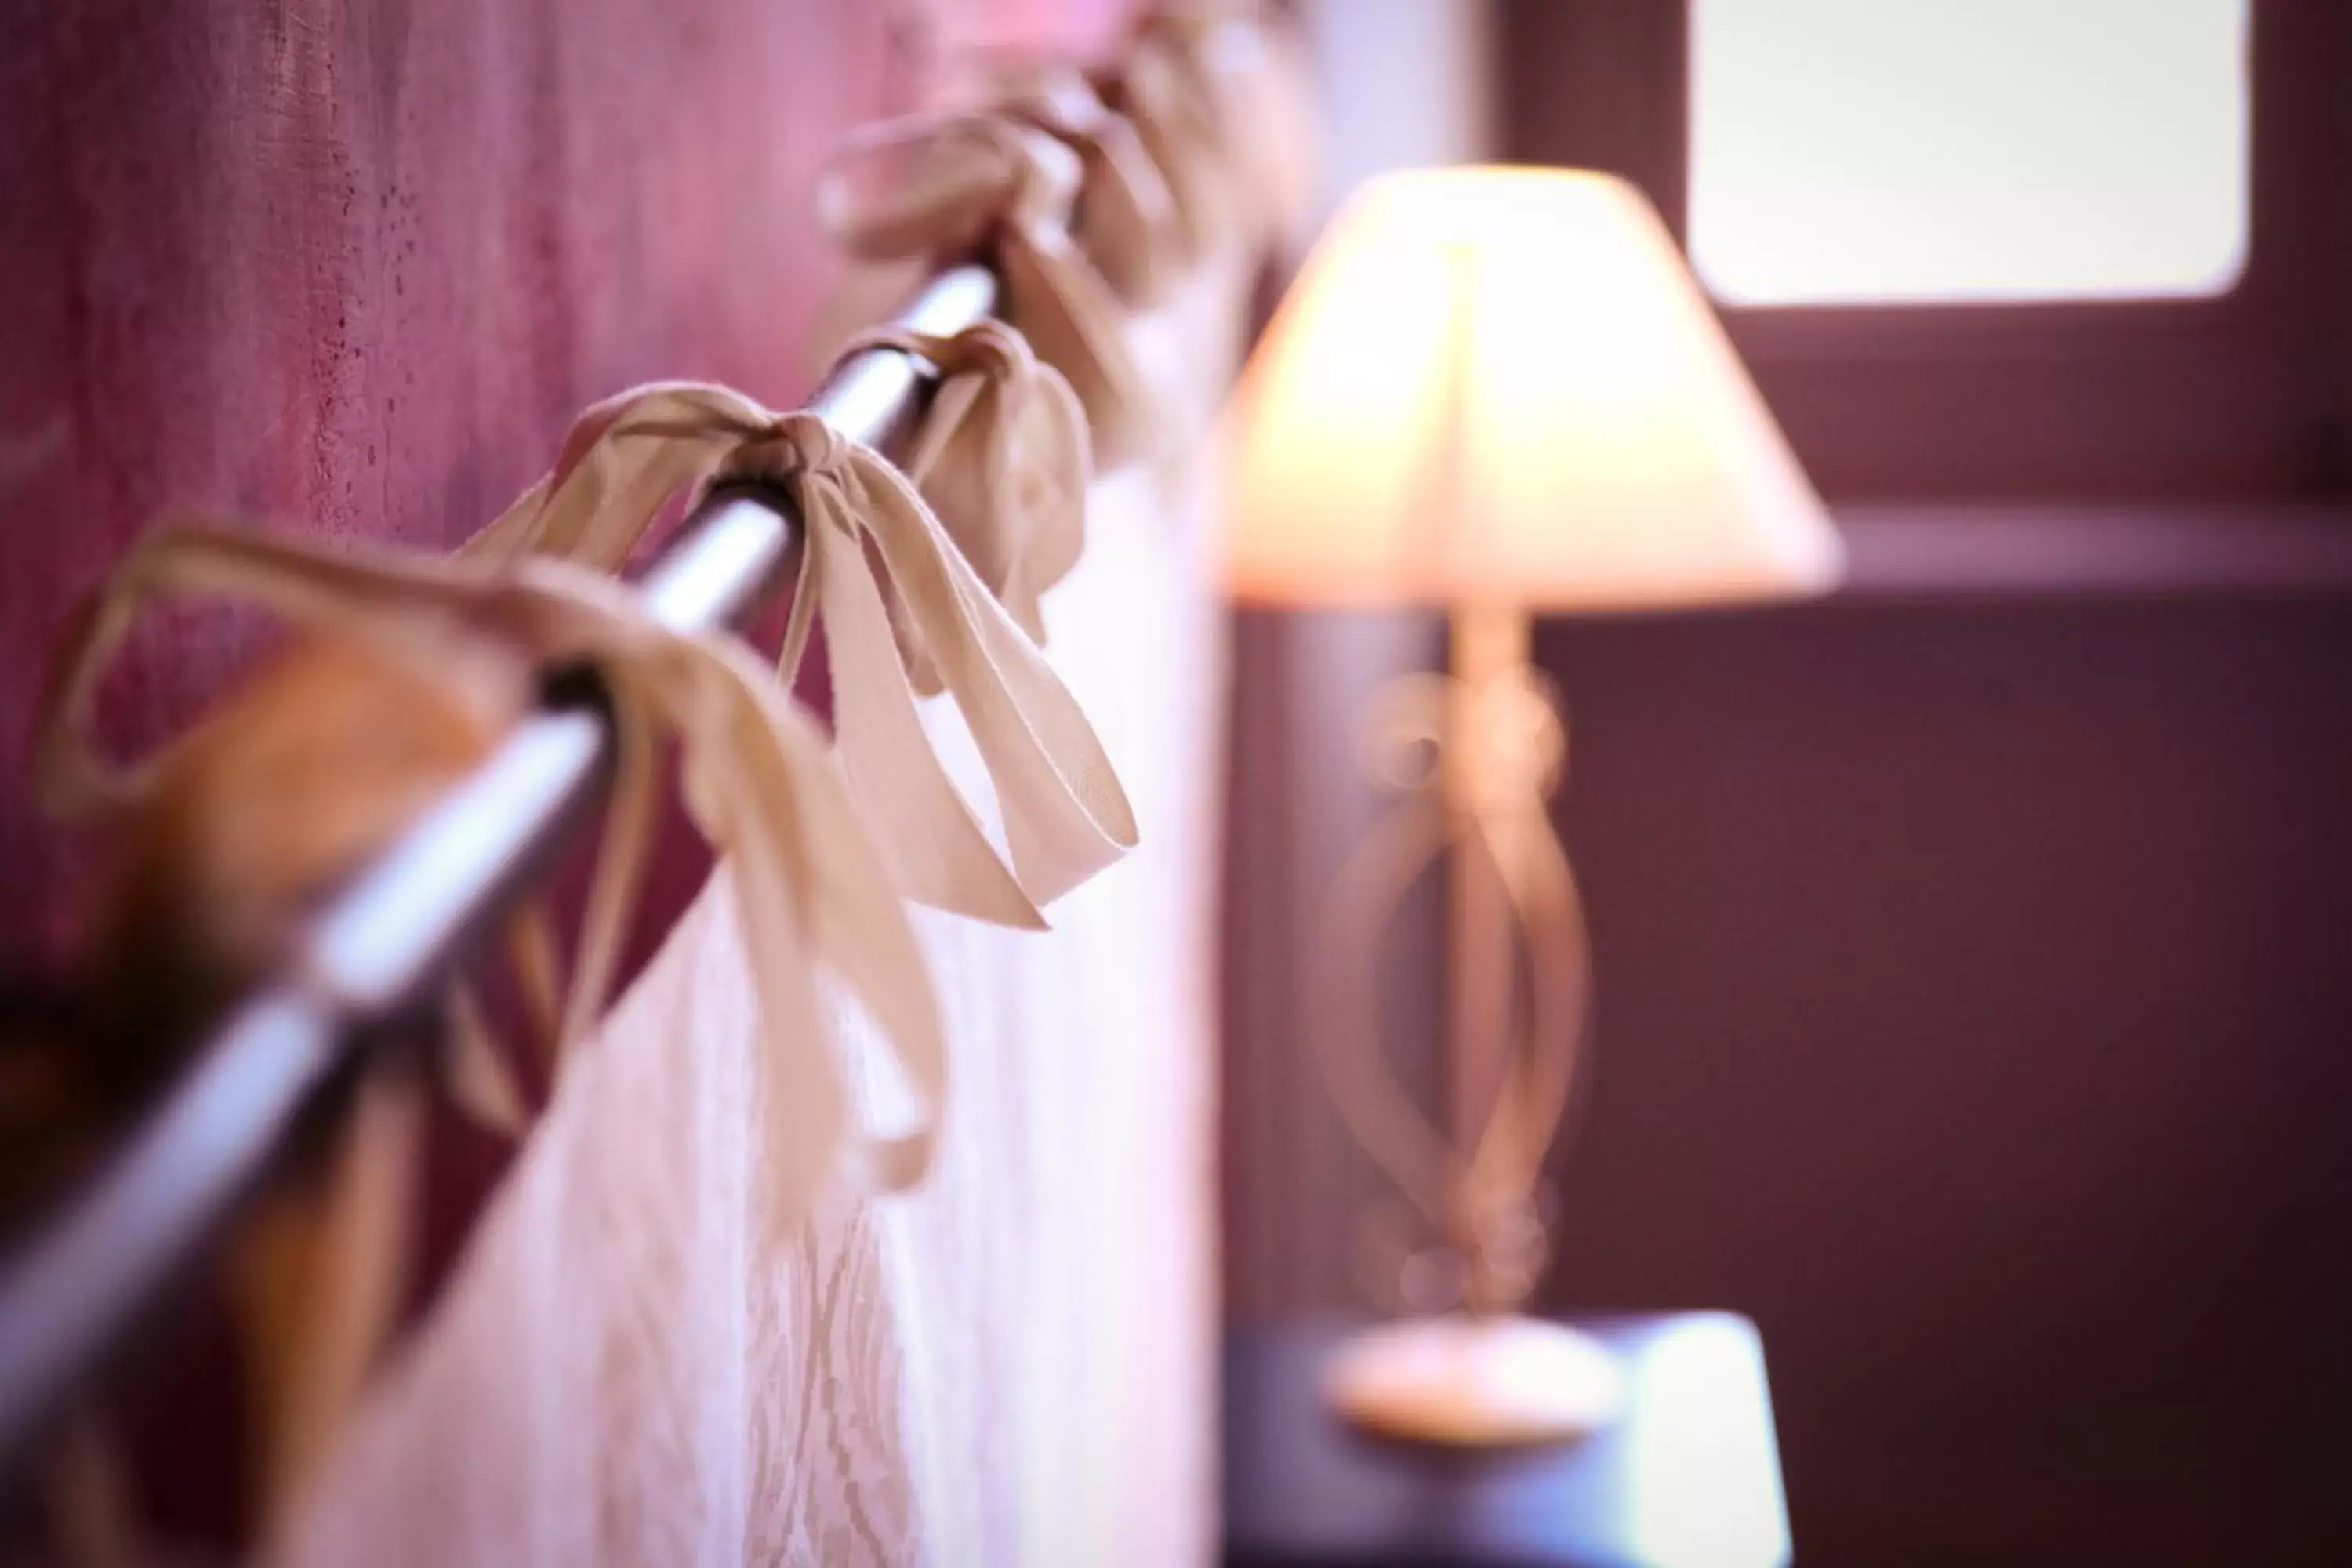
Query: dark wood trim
{"points": [[2246, 397], [2091, 550]]}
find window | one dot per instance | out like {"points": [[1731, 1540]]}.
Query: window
{"points": [[1915, 151], [1993, 248]]}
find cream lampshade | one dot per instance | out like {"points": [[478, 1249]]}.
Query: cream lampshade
{"points": [[1503, 384], [1494, 391]]}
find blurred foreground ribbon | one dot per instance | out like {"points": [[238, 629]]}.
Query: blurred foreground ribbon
{"points": [[1063, 814], [1217, 94], [1154, 85], [1126, 221], [906, 197], [759, 780]]}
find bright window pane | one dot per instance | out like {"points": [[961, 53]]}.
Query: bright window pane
{"points": [[1861, 151]]}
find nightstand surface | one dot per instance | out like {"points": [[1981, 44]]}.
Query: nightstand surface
{"points": [[1689, 1474]]}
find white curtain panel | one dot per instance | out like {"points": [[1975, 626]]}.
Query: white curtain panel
{"points": [[638, 1363]]}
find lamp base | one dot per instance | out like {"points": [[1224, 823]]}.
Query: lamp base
{"points": [[1474, 1382]]}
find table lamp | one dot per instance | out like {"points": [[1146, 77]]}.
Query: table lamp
{"points": [[1496, 392]]}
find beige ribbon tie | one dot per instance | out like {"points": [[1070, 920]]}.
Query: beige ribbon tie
{"points": [[1001, 459], [988, 182], [1063, 814]]}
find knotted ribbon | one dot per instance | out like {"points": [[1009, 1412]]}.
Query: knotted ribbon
{"points": [[1063, 814], [221, 844], [759, 782], [1126, 222], [1000, 457], [906, 197], [759, 779], [1215, 92], [1154, 85]]}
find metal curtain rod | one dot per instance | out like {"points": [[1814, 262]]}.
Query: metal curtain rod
{"points": [[384, 947]]}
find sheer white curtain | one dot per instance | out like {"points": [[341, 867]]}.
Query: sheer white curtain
{"points": [[638, 1362]]}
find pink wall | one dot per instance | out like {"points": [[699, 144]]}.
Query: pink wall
{"points": [[352, 267]]}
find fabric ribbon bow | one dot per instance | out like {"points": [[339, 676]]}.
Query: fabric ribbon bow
{"points": [[1001, 459], [911, 195], [1127, 221], [759, 782], [1063, 812], [1155, 85], [1215, 93], [759, 778]]}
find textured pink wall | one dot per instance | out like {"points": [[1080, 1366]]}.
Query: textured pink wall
{"points": [[354, 266]]}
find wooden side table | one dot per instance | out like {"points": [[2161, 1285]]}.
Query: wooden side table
{"points": [[1689, 1474]]}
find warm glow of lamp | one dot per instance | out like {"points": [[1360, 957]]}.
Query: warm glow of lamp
{"points": [[1495, 391], [1503, 384]]}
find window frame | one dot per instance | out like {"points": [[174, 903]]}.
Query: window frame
{"points": [[2245, 394]]}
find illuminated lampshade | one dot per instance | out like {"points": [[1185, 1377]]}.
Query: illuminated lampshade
{"points": [[1502, 386]]}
